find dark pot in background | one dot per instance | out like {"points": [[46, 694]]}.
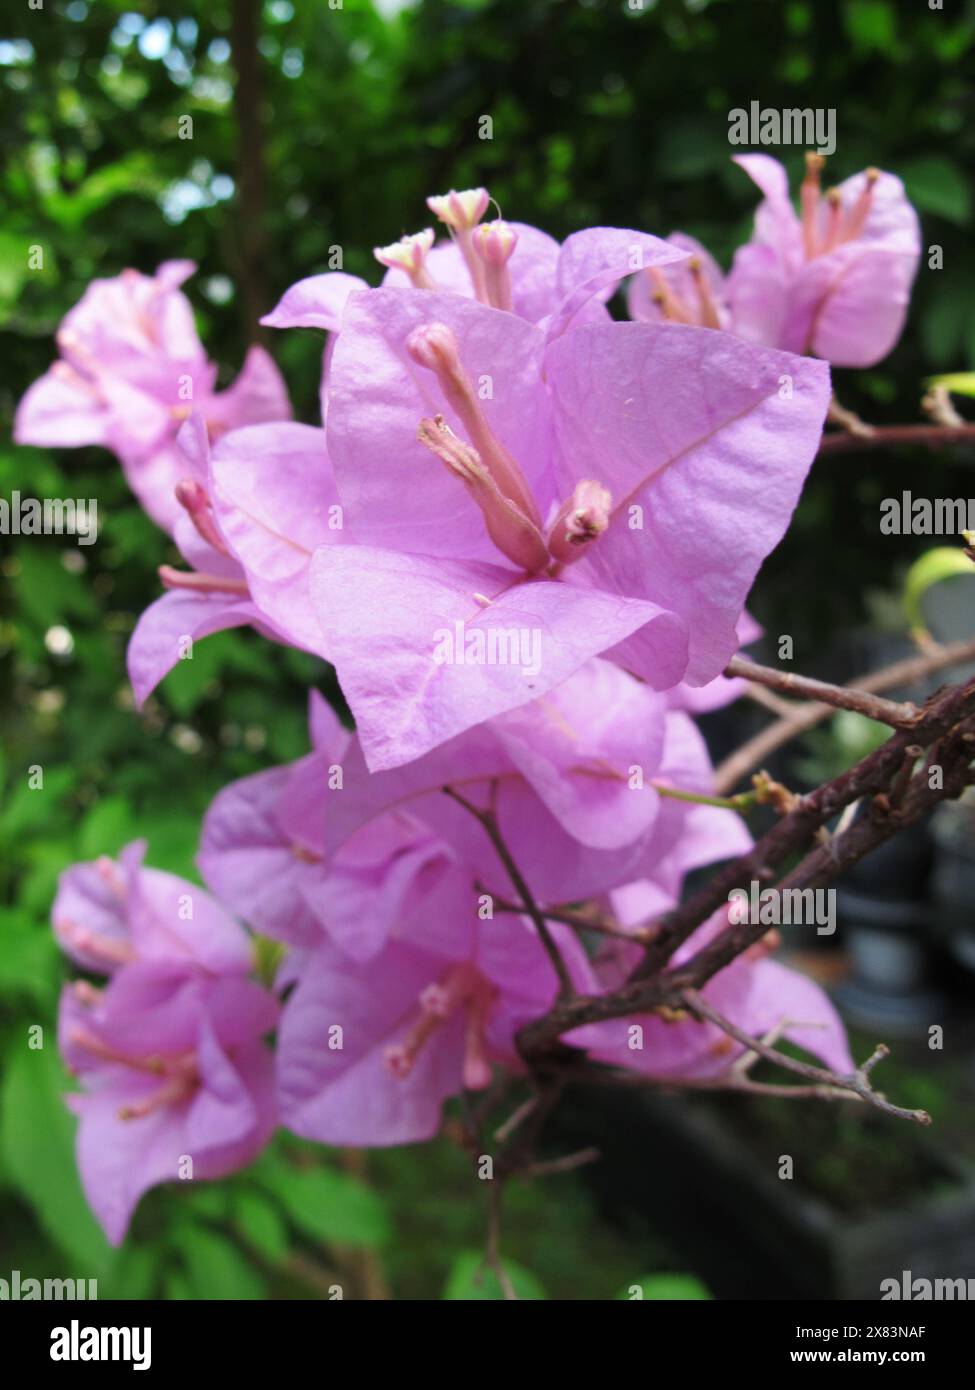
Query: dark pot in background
{"points": [[681, 1168], [883, 916], [953, 878]]}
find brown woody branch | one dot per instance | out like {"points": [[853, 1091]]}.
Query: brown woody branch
{"points": [[806, 716], [947, 719], [897, 715], [887, 436]]}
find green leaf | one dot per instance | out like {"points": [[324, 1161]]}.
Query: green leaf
{"points": [[469, 1278], [870, 25], [260, 1222], [215, 1266], [106, 828], [934, 566], [29, 807], [136, 1274], [961, 383], [48, 593], [37, 1145], [937, 184], [666, 1287], [29, 958], [328, 1205]]}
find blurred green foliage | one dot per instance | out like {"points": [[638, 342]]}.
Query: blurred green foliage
{"points": [[602, 111]]}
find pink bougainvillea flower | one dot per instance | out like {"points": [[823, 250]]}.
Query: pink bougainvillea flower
{"points": [[263, 851], [368, 1053], [131, 370], [323, 848], [108, 913], [177, 1081], [519, 498], [509, 265], [836, 279], [253, 509], [760, 996], [723, 689], [690, 291], [514, 497]]}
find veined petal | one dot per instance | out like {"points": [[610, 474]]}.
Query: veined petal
{"points": [[408, 650]]}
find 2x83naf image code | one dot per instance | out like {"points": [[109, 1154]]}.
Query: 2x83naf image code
{"points": [[136, 1338]]}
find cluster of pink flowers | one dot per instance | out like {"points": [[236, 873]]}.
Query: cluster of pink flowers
{"points": [[524, 535]]}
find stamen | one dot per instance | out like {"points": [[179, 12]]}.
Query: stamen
{"points": [[409, 254], [477, 1064], [87, 994], [111, 875], [202, 583], [709, 314], [665, 298], [834, 219], [861, 208], [513, 533], [400, 1058], [93, 943], [461, 986], [193, 498], [434, 346], [809, 198], [82, 1038], [494, 243], [175, 1089], [580, 521], [461, 212]]}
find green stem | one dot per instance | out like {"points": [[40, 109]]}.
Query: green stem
{"points": [[741, 802]]}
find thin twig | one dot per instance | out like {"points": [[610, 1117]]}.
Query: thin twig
{"points": [[898, 715], [582, 921], [857, 1082], [488, 820], [568, 1163], [492, 1253], [886, 436], [805, 717]]}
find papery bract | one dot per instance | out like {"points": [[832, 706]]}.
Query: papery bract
{"points": [[176, 1079], [131, 370], [837, 280]]}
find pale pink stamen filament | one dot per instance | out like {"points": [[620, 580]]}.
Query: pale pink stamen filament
{"points": [[195, 501], [434, 346], [203, 583], [809, 200], [93, 943]]}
